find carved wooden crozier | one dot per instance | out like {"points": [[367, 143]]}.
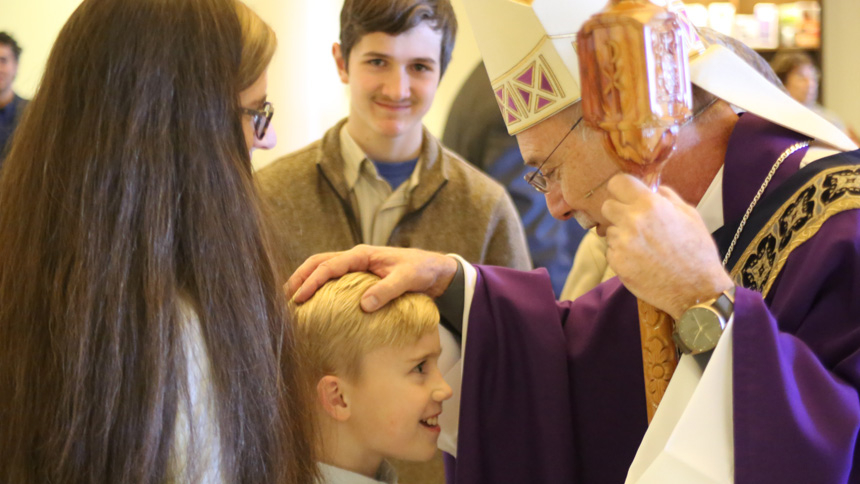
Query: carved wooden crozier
{"points": [[636, 87]]}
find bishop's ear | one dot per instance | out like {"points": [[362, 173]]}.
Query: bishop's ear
{"points": [[330, 393]]}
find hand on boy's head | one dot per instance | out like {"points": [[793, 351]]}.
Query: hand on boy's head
{"points": [[311, 275], [401, 270]]}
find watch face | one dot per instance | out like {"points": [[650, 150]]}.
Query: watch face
{"points": [[700, 328]]}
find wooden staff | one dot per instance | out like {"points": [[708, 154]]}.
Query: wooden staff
{"points": [[635, 87]]}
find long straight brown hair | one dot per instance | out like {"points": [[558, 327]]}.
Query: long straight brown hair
{"points": [[129, 189]]}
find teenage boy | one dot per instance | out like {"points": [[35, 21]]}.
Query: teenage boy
{"points": [[379, 177], [379, 390]]}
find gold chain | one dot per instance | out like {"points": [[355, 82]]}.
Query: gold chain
{"points": [[785, 154]]}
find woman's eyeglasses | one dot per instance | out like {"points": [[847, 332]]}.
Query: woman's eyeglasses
{"points": [[261, 118]]}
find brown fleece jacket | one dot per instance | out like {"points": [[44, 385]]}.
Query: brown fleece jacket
{"points": [[454, 209]]}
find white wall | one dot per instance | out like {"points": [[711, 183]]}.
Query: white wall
{"points": [[841, 70], [303, 81]]}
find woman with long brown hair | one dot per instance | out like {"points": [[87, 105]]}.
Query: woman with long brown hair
{"points": [[142, 335]]}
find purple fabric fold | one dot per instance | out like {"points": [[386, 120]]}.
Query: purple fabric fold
{"points": [[554, 399]]}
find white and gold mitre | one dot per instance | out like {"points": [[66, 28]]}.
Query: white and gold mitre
{"points": [[529, 53]]}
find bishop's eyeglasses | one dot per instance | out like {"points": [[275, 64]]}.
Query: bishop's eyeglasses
{"points": [[537, 179]]}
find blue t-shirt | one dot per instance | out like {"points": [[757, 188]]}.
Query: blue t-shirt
{"points": [[395, 173]]}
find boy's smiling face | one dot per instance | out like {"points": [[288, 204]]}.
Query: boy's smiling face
{"points": [[392, 81], [396, 401]]}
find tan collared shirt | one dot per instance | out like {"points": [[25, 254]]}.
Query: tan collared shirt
{"points": [[378, 206]]}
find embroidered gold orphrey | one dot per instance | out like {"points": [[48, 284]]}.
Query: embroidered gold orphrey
{"points": [[830, 192]]}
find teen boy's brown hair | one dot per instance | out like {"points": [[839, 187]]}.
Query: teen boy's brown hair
{"points": [[361, 17]]}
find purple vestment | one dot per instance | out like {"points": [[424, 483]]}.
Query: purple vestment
{"points": [[553, 392]]}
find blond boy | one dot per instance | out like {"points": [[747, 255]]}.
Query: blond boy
{"points": [[379, 391]]}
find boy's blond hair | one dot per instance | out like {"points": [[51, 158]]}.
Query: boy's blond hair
{"points": [[335, 333]]}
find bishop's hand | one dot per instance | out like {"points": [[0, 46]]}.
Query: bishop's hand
{"points": [[401, 270], [660, 248]]}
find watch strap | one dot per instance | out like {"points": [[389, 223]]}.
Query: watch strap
{"points": [[724, 303]]}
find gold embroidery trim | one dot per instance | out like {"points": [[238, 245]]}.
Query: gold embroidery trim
{"points": [[761, 271]]}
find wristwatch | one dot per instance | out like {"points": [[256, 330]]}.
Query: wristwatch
{"points": [[701, 326]]}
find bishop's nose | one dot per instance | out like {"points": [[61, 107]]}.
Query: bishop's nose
{"points": [[556, 204]]}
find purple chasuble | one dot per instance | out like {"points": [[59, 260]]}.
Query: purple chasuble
{"points": [[553, 391]]}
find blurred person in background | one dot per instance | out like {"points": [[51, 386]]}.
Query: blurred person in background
{"points": [[11, 105], [801, 78]]}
